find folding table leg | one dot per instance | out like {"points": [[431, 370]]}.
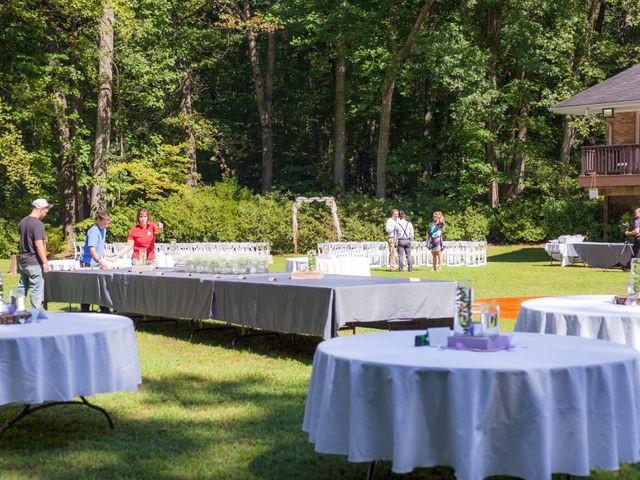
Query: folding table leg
{"points": [[28, 409]]}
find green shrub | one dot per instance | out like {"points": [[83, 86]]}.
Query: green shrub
{"points": [[57, 246], [9, 238], [518, 221], [471, 224], [572, 214]]}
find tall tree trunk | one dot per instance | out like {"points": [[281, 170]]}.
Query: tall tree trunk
{"points": [[339, 124], [387, 97], [595, 16], [103, 117], [263, 102], [67, 164], [63, 132], [186, 114], [521, 157], [492, 34]]}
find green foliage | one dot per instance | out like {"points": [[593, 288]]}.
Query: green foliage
{"points": [[9, 238], [56, 244], [572, 214], [472, 224], [518, 221]]}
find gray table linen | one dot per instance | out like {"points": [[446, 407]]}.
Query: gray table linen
{"points": [[604, 255], [272, 302]]}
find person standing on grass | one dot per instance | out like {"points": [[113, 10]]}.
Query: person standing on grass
{"points": [[635, 233], [142, 238], [32, 261], [404, 234], [93, 251], [435, 240], [392, 240]]}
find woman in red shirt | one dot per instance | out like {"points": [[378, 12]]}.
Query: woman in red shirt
{"points": [[142, 238]]}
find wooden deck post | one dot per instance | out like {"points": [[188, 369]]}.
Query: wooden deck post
{"points": [[606, 218]]}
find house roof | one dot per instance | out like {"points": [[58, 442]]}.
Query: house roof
{"points": [[621, 92]]}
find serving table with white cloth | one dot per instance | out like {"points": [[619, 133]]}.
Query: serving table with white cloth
{"points": [[64, 356], [563, 252], [588, 316], [551, 404], [296, 264], [332, 264]]}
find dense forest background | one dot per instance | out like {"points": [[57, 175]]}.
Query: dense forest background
{"points": [[216, 114]]}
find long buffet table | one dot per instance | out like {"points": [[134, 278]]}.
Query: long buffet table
{"points": [[271, 301]]}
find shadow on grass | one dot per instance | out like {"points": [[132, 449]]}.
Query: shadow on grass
{"points": [[279, 346], [185, 426], [525, 254]]}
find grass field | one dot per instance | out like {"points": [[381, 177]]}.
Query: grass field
{"points": [[206, 410]]}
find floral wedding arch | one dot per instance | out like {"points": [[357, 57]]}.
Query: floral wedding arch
{"points": [[330, 202]]}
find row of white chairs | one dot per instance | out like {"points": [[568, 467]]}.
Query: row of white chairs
{"points": [[256, 248], [455, 253]]}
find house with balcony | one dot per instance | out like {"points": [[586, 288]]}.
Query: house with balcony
{"points": [[613, 169]]}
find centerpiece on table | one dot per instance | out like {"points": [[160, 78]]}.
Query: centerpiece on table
{"points": [[476, 327], [633, 286], [221, 263], [312, 271]]}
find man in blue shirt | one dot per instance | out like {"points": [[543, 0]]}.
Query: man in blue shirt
{"points": [[93, 251]]}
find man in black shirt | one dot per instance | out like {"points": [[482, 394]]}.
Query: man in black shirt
{"points": [[33, 262]]}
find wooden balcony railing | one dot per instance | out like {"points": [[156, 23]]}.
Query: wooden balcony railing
{"points": [[611, 160]]}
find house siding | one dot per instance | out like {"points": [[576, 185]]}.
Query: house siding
{"points": [[623, 128]]}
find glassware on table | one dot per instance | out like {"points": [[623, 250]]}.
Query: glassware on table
{"points": [[143, 257], [463, 308], [634, 271], [490, 317], [311, 259], [20, 299]]}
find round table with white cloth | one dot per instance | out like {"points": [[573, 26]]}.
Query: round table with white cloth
{"points": [[588, 316], [551, 404], [67, 355]]}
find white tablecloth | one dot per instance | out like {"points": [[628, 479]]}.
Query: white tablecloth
{"points": [[563, 252], [63, 265], [344, 265], [552, 404], [296, 264], [588, 316], [332, 264], [67, 355]]}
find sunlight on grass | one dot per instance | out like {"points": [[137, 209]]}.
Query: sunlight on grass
{"points": [[209, 411]]}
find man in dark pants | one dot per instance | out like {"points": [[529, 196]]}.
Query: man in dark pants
{"points": [[635, 233], [33, 264]]}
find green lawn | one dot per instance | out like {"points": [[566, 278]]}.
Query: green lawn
{"points": [[207, 410]]}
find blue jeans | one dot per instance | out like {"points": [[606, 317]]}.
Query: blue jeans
{"points": [[32, 279]]}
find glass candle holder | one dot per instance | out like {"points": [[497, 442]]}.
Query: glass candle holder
{"points": [[463, 309], [634, 271], [490, 318]]}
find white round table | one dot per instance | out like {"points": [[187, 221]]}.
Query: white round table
{"points": [[588, 316], [296, 264], [67, 355], [344, 265], [551, 404]]}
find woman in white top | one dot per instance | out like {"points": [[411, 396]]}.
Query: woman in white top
{"points": [[404, 234]]}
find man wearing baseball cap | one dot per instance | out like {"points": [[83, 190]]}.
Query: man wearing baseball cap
{"points": [[33, 262]]}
